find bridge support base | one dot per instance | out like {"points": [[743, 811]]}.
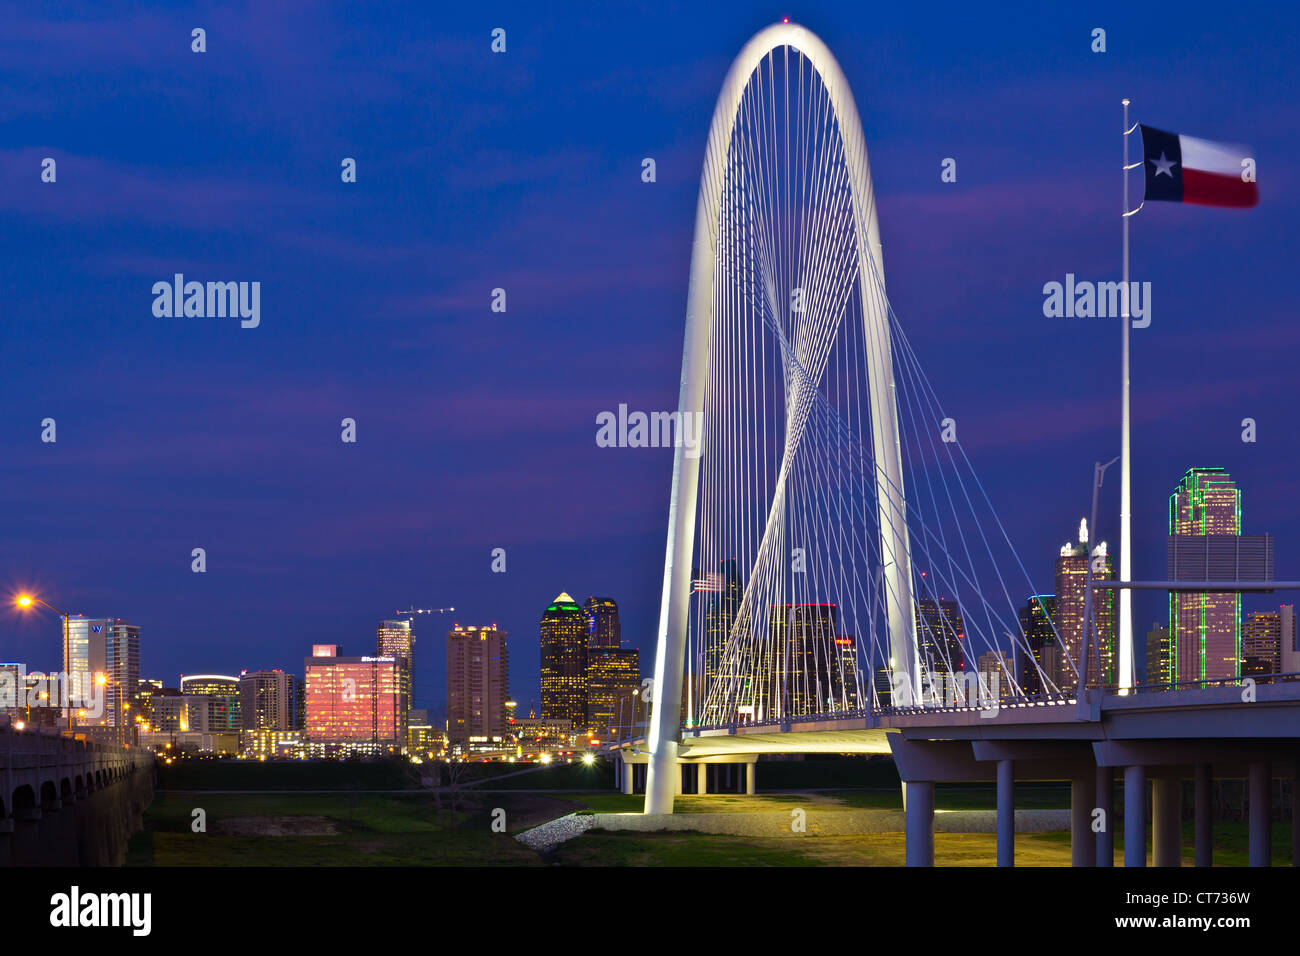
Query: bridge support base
{"points": [[1006, 812], [1083, 797], [1167, 820], [659, 786], [1202, 814], [750, 773], [626, 777], [920, 823], [1261, 814], [1135, 816]]}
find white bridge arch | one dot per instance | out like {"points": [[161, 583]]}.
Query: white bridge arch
{"points": [[845, 168]]}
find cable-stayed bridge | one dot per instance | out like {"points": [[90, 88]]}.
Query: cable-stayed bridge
{"points": [[836, 577]]}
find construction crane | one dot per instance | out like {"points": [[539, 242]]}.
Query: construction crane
{"points": [[426, 610]]}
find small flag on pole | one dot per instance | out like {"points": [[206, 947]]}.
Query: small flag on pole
{"points": [[1190, 170], [711, 582]]}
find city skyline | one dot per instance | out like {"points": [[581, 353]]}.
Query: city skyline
{"points": [[948, 649]]}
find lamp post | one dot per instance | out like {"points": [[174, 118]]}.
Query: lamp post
{"points": [[26, 601]]}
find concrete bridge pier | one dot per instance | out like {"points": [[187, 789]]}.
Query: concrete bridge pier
{"points": [[1083, 798], [1202, 815], [1006, 813], [1261, 813], [1105, 842], [1167, 819], [919, 823], [1135, 815]]}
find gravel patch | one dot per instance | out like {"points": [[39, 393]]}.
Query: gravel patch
{"points": [[550, 835]]}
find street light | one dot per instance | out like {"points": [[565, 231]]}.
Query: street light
{"points": [[25, 601]]}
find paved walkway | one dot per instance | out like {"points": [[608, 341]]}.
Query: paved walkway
{"points": [[780, 823]]}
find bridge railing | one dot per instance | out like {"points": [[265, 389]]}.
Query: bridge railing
{"points": [[56, 744], [1240, 681]]}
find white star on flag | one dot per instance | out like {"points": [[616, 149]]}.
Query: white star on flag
{"points": [[1163, 166]]}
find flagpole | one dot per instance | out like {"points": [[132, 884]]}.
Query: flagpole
{"points": [[1125, 502]]}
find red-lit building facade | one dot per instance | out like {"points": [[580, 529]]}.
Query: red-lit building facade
{"points": [[353, 703]]}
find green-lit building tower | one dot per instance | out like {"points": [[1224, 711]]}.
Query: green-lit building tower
{"points": [[1204, 628], [564, 630]]}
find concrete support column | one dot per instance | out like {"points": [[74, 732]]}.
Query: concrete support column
{"points": [[677, 778], [1203, 815], [1106, 804], [701, 777], [750, 773], [920, 823], [1083, 798], [1135, 816], [1167, 821], [1006, 812], [627, 776], [1261, 814]]}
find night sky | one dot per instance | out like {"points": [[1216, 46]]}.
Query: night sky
{"points": [[476, 430]]}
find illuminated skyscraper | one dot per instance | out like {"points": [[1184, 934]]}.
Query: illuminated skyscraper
{"points": [[397, 640], [103, 665], [352, 703], [1158, 656], [122, 667], [1204, 628], [266, 700], [940, 637], [997, 669], [1290, 650], [846, 680], [605, 630], [1261, 644], [613, 675], [720, 594], [809, 662], [1043, 657], [224, 694], [1071, 581], [478, 678], [564, 629]]}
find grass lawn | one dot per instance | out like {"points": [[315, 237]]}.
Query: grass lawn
{"points": [[599, 848], [363, 830]]}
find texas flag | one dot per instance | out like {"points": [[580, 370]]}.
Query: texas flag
{"points": [[1187, 169]]}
